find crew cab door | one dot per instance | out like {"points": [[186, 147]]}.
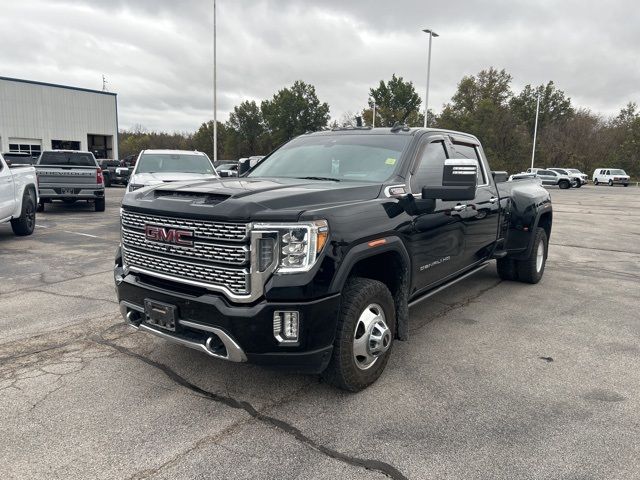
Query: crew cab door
{"points": [[436, 240], [482, 215], [7, 193]]}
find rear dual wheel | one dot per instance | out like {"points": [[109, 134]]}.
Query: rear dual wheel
{"points": [[530, 269]]}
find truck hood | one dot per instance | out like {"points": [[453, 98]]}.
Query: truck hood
{"points": [[161, 177], [247, 199]]}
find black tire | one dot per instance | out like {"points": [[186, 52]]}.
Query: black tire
{"points": [[40, 207], [564, 184], [578, 184], [107, 180], [342, 371], [610, 183], [595, 181], [100, 205], [25, 224], [625, 184], [507, 269], [528, 269]]}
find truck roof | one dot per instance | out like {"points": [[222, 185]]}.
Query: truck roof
{"points": [[388, 131], [172, 152]]}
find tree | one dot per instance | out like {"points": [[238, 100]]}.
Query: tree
{"points": [[395, 101], [246, 132], [202, 140], [554, 106], [294, 111]]}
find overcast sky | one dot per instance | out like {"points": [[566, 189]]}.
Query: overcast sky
{"points": [[157, 54]]}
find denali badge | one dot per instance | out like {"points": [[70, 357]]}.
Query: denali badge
{"points": [[169, 235]]}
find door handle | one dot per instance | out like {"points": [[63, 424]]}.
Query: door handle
{"points": [[459, 208], [493, 199]]}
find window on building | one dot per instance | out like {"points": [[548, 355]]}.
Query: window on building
{"points": [[100, 145], [31, 149], [65, 145]]}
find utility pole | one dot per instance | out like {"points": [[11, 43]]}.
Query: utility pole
{"points": [[215, 93], [426, 99], [535, 130]]}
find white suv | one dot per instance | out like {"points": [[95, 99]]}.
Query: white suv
{"points": [[610, 176]]}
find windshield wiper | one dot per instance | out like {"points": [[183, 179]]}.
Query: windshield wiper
{"points": [[320, 178]]}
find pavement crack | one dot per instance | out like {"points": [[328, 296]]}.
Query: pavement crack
{"points": [[369, 464]]}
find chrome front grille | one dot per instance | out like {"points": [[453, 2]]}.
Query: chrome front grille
{"points": [[219, 259], [235, 280], [228, 254], [232, 232]]}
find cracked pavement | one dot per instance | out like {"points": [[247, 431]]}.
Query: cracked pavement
{"points": [[497, 380]]}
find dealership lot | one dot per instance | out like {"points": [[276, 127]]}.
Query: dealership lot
{"points": [[498, 379]]}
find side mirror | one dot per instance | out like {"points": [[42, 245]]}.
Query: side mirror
{"points": [[459, 181], [243, 166], [500, 176]]}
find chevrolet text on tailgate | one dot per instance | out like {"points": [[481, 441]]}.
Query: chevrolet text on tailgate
{"points": [[311, 260]]}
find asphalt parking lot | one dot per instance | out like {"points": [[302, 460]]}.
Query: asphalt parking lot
{"points": [[498, 379]]}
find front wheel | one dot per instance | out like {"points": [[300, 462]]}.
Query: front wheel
{"points": [[611, 183], [626, 184], [578, 184], [595, 181], [26, 222], [364, 335], [564, 184]]}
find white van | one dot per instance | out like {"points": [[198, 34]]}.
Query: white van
{"points": [[610, 176]]}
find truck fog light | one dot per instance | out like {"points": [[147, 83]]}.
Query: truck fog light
{"points": [[286, 326]]}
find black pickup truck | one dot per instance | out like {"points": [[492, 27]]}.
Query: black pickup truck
{"points": [[311, 260]]}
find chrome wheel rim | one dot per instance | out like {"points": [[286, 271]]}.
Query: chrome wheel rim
{"points": [[371, 337], [540, 257]]}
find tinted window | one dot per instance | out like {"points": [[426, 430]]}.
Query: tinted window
{"points": [[463, 150], [357, 157], [430, 166], [174, 162], [560, 171], [77, 159], [618, 172]]}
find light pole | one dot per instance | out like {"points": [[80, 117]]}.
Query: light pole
{"points": [[535, 131], [215, 96], [426, 98], [373, 122]]}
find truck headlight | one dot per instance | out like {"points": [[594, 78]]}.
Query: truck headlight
{"points": [[298, 244]]}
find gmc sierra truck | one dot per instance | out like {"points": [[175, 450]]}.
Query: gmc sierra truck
{"points": [[18, 197], [311, 259]]}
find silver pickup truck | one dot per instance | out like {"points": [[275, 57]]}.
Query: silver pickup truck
{"points": [[69, 176]]}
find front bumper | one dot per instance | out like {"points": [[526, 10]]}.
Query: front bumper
{"points": [[236, 332]]}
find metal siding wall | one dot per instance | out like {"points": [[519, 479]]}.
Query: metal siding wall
{"points": [[53, 113]]}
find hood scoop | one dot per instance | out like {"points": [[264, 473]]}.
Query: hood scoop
{"points": [[196, 198]]}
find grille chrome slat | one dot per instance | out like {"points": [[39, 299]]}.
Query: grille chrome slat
{"points": [[227, 254], [233, 232], [235, 280]]}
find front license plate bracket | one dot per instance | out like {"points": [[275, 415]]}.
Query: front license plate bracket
{"points": [[160, 314]]}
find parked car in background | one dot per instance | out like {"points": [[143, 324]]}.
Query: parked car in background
{"points": [[246, 164], [576, 180], [550, 177], [583, 176], [18, 158], [69, 176], [610, 176], [113, 172], [227, 169], [154, 167], [18, 197]]}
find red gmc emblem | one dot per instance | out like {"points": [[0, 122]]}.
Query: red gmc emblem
{"points": [[169, 235]]}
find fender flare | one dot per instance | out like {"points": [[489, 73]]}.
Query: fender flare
{"points": [[532, 235], [363, 251]]}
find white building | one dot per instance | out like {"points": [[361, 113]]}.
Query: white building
{"points": [[36, 116]]}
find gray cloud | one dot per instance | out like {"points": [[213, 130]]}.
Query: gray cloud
{"points": [[157, 54]]}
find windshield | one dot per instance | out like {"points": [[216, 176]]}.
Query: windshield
{"points": [[19, 159], [371, 158], [76, 159], [618, 172], [174, 162], [573, 170]]}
